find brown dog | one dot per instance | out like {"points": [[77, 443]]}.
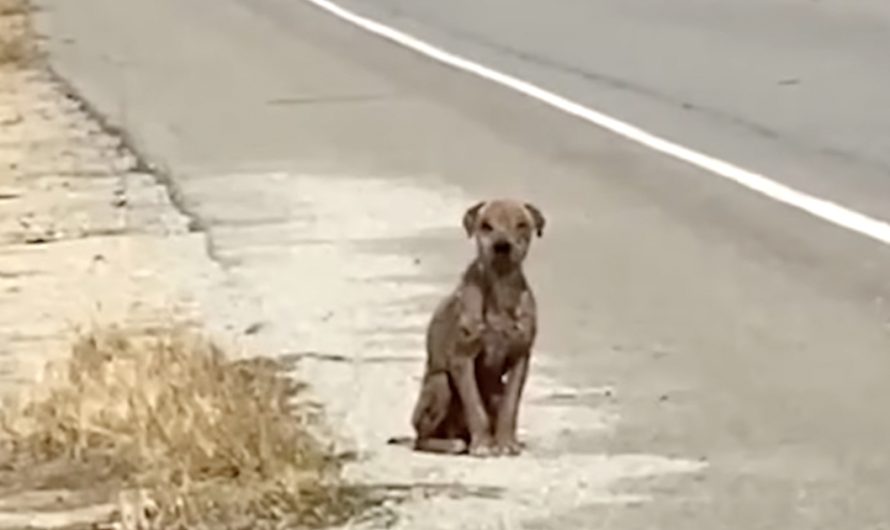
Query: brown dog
{"points": [[479, 340]]}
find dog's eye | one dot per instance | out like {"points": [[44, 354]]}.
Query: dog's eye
{"points": [[486, 226], [522, 225]]}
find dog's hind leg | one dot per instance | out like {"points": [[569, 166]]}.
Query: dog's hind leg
{"points": [[433, 414], [447, 446]]}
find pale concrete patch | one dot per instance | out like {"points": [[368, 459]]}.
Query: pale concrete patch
{"points": [[508, 490], [326, 288]]}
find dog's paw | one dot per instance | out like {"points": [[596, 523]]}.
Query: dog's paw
{"points": [[507, 447], [481, 448]]}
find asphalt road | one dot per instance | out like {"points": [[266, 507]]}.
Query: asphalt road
{"points": [[790, 88], [733, 328]]}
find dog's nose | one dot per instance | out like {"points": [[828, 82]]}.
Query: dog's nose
{"points": [[502, 247]]}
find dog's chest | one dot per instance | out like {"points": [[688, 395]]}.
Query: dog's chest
{"points": [[498, 348], [501, 307], [496, 360], [502, 301]]}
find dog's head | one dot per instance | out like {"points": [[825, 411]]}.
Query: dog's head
{"points": [[503, 230]]}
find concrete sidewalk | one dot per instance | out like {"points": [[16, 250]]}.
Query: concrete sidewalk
{"points": [[86, 238], [84, 234]]}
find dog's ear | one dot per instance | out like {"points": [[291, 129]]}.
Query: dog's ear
{"points": [[537, 217], [470, 218]]}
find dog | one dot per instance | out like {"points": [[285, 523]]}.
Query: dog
{"points": [[480, 338]]}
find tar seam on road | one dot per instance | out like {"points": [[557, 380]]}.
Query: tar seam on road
{"points": [[818, 207]]}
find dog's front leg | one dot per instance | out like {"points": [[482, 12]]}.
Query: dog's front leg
{"points": [[521, 334], [463, 372], [471, 320], [521, 338], [505, 441]]}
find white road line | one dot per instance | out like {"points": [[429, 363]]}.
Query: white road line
{"points": [[821, 208]]}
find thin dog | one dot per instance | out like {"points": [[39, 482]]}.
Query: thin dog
{"points": [[480, 338]]}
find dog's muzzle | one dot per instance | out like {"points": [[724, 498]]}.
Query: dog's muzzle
{"points": [[502, 248]]}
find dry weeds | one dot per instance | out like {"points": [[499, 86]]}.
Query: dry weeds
{"points": [[17, 46], [211, 443]]}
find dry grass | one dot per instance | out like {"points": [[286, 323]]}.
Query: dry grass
{"points": [[17, 46], [213, 443], [13, 7]]}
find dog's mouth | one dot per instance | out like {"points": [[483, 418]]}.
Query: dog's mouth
{"points": [[503, 262]]}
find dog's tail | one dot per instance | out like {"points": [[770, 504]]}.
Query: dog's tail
{"points": [[407, 441]]}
